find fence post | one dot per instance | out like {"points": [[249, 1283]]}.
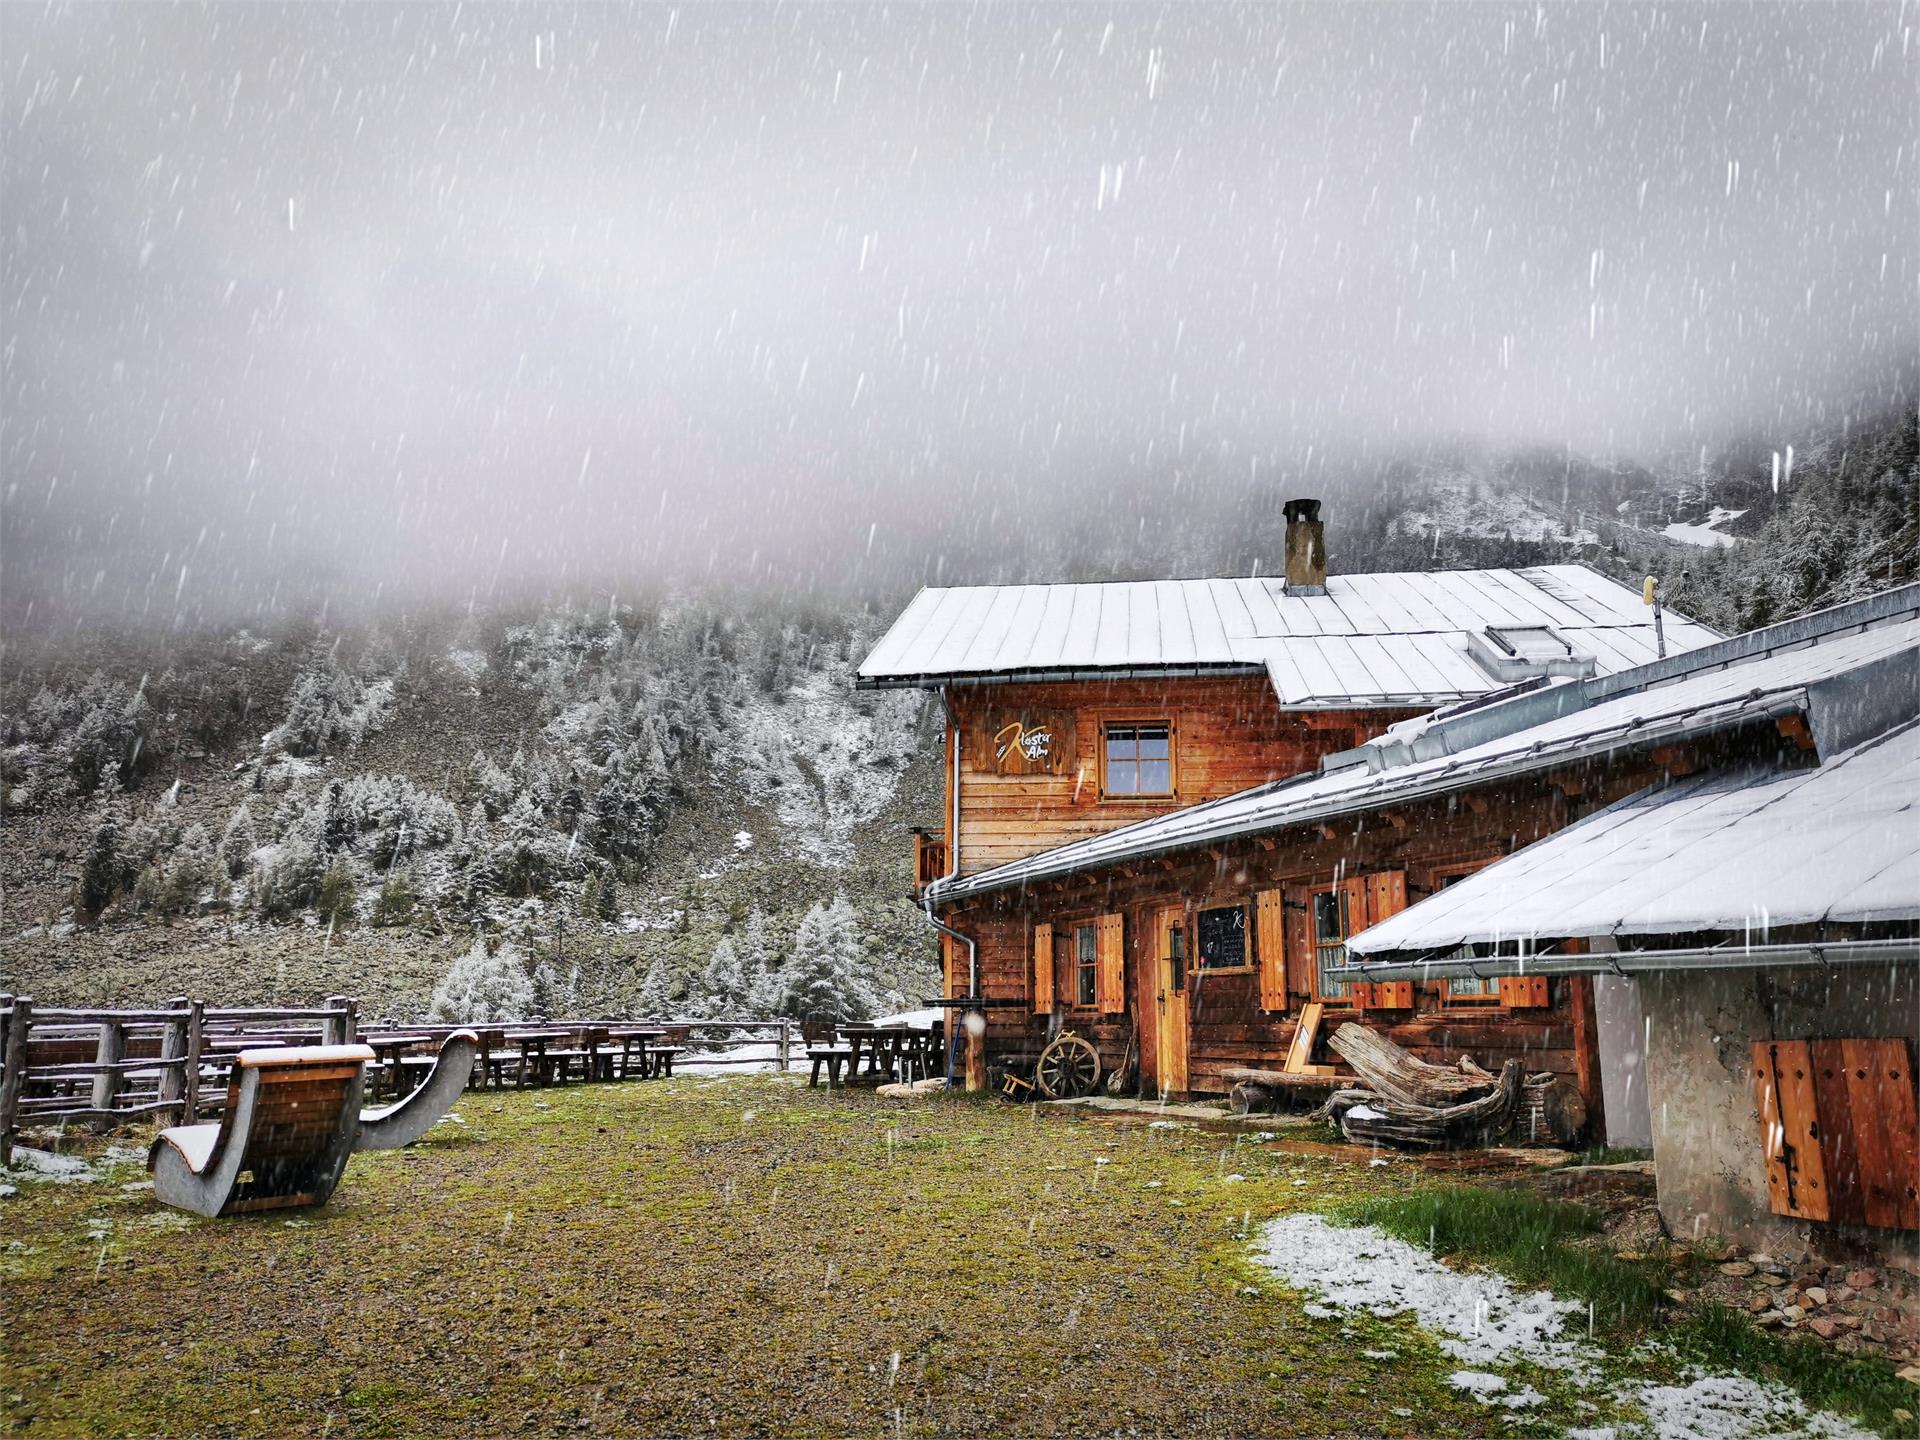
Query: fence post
{"points": [[173, 1046], [196, 1036], [786, 1042], [13, 1073], [352, 1032], [333, 1030], [111, 1050]]}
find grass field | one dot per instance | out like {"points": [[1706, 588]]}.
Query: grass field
{"points": [[737, 1257]]}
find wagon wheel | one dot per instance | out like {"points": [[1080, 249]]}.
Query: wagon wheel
{"points": [[1068, 1068]]}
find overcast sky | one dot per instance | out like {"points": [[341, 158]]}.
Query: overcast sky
{"points": [[455, 295]]}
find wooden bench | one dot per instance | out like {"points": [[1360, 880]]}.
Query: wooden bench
{"points": [[292, 1120], [833, 1059], [660, 1057]]}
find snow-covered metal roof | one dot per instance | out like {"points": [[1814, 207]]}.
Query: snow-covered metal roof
{"points": [[1806, 669], [1369, 639], [1747, 851]]}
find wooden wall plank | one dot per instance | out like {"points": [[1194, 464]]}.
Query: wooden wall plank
{"points": [[1231, 734]]}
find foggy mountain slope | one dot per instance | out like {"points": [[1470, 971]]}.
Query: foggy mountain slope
{"points": [[1832, 519], [608, 792], [619, 787]]}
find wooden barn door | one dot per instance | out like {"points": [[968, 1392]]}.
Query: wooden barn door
{"points": [[1170, 999]]}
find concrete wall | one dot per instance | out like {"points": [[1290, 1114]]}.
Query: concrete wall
{"points": [[1623, 1060], [1706, 1130]]}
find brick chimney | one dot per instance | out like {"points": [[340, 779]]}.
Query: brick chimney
{"points": [[1306, 548]]}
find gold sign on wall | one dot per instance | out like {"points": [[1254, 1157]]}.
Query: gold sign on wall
{"points": [[1012, 741]]}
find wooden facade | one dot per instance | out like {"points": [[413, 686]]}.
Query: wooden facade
{"points": [[1226, 735], [1136, 950]]}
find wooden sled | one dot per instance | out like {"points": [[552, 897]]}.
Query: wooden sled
{"points": [[406, 1120], [292, 1120]]}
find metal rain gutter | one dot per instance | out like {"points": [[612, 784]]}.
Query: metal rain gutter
{"points": [[928, 896], [1730, 956]]}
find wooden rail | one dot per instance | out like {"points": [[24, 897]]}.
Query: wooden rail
{"points": [[929, 859], [101, 1066], [106, 1067]]}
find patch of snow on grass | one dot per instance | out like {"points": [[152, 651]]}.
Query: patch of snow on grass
{"points": [[1732, 1407], [30, 1164], [1480, 1317], [1483, 1321], [1478, 1383], [743, 840]]}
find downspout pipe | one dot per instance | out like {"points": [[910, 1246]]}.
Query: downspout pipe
{"points": [[953, 857]]}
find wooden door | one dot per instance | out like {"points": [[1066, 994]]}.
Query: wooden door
{"points": [[1170, 999]]}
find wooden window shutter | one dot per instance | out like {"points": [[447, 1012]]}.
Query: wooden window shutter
{"points": [[1386, 894], [1789, 1122], [1270, 940], [1864, 1096], [1042, 969], [1110, 948]]}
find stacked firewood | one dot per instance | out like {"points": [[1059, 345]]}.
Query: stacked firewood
{"points": [[1405, 1101]]}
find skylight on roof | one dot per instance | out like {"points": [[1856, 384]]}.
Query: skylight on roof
{"points": [[1512, 653]]}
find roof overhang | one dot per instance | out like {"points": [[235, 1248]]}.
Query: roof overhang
{"points": [[1733, 955], [976, 678]]}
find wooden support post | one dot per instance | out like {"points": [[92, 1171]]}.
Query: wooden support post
{"points": [[196, 1037], [13, 1072], [786, 1043], [111, 1050], [1586, 1056], [353, 1021], [975, 1022], [173, 1046]]}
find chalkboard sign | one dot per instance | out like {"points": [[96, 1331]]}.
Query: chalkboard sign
{"points": [[1223, 937]]}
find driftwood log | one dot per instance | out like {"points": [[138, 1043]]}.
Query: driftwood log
{"points": [[1365, 1117], [1259, 1089], [1396, 1075]]}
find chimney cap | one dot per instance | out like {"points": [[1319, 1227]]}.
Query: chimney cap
{"points": [[1296, 510]]}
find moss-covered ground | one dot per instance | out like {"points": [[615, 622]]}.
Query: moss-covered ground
{"points": [[725, 1258]]}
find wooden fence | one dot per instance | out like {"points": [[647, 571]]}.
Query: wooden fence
{"points": [[100, 1067]]}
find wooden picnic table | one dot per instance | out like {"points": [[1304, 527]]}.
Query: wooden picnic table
{"points": [[533, 1052], [633, 1040], [387, 1050]]}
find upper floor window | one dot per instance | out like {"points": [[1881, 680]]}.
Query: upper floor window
{"points": [[1139, 759]]}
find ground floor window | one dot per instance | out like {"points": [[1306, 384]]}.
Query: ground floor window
{"points": [[1086, 965], [1332, 918], [1466, 989]]}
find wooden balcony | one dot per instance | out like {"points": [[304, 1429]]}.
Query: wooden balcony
{"points": [[929, 859]]}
